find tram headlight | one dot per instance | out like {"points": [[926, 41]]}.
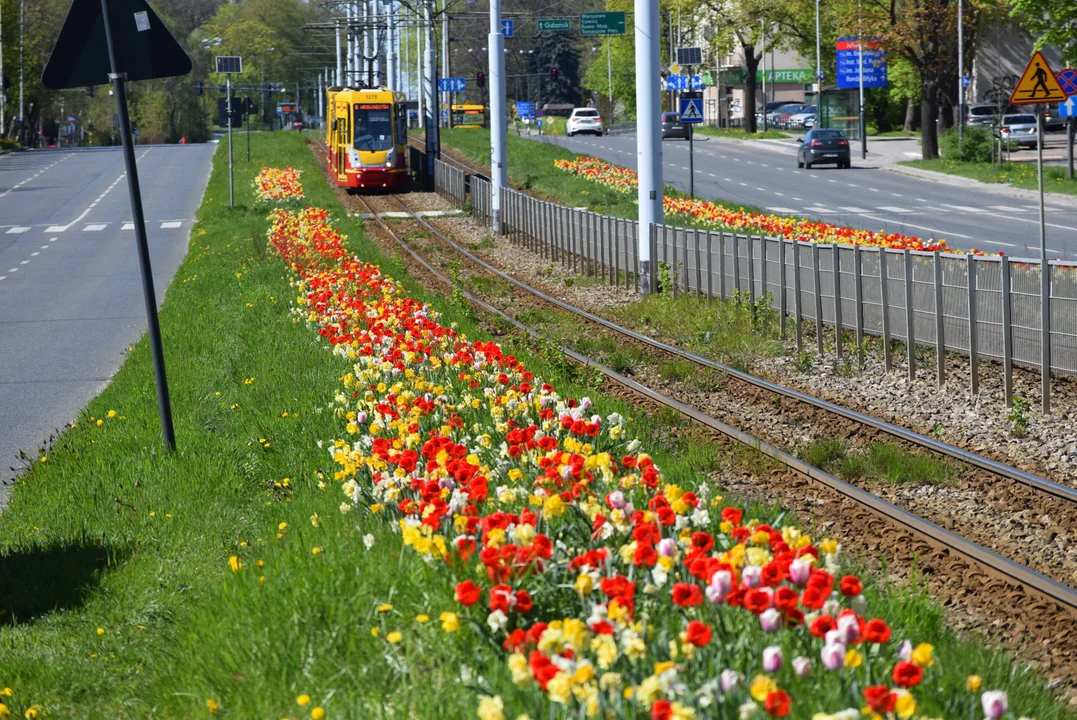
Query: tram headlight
{"points": [[390, 157]]}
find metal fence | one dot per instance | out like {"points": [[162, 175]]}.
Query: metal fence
{"points": [[450, 183], [981, 307]]}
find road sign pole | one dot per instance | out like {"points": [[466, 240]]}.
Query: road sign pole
{"points": [[1069, 148], [228, 102], [649, 138], [609, 77], [691, 161], [1045, 281], [164, 404], [247, 102], [498, 126]]}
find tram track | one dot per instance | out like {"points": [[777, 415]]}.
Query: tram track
{"points": [[973, 578]]}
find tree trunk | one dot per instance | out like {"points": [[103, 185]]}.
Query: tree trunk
{"points": [[929, 115], [751, 65], [910, 115]]}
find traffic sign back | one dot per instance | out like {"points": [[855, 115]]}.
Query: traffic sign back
{"points": [[1037, 84], [1067, 78]]}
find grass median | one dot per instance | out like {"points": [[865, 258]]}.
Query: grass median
{"points": [[222, 579], [1018, 175]]}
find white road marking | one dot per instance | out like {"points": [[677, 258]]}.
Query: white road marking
{"points": [[128, 226], [3, 277], [874, 189], [855, 210], [1007, 208], [945, 233], [13, 270], [17, 230], [850, 184], [783, 210], [897, 194], [893, 209], [25, 262], [744, 184], [35, 254], [94, 227], [20, 184], [995, 242], [170, 225], [820, 210], [44, 247], [55, 228], [779, 194], [964, 208]]}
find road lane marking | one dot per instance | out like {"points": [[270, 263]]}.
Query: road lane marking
{"points": [[779, 194], [128, 226], [44, 247], [20, 184], [897, 194], [35, 254], [17, 230], [171, 225], [963, 208], [1007, 208], [874, 189], [25, 262], [855, 210], [55, 228], [996, 242], [783, 210], [850, 184], [13, 269], [945, 233], [893, 209], [820, 210], [94, 227]]}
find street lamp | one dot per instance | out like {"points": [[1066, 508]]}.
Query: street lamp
{"points": [[262, 64]]}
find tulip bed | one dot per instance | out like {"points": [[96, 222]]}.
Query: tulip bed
{"points": [[611, 587], [710, 214], [274, 186]]}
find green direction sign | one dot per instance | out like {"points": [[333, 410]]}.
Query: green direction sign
{"points": [[738, 77], [602, 23], [554, 24]]}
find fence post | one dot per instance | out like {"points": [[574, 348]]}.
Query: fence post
{"points": [[838, 334], [710, 268], [673, 268], [798, 316], [654, 253], [974, 360], [699, 270], [721, 265], [762, 269], [817, 285], [1045, 335], [685, 274], [782, 302], [940, 323], [910, 316], [736, 265], [1007, 333], [751, 273], [858, 285], [884, 301]]}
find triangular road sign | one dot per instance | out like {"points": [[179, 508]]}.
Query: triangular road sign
{"points": [[1038, 84], [145, 49], [691, 112]]}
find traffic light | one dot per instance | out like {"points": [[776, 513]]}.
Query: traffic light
{"points": [[553, 74], [480, 79], [90, 90], [198, 88]]}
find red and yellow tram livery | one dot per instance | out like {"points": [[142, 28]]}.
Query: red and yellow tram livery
{"points": [[367, 138]]}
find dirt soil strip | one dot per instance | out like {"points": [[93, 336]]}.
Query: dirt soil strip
{"points": [[973, 600]]}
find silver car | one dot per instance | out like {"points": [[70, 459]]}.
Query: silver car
{"points": [[800, 119], [981, 115], [1019, 129]]}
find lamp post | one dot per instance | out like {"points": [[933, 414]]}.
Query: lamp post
{"points": [[262, 64]]}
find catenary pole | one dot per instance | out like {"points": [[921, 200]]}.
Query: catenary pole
{"points": [[339, 80], [818, 60], [860, 62], [498, 126], [118, 79], [648, 145], [390, 49], [1045, 281], [430, 91], [420, 88], [609, 75], [445, 55], [960, 71]]}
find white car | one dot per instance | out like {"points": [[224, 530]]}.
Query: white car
{"points": [[800, 119], [584, 120]]}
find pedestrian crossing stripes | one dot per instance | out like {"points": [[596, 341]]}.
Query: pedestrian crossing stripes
{"points": [[96, 227], [90, 227], [17, 230]]}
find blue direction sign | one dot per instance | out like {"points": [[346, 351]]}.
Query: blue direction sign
{"points": [[691, 110], [526, 110], [849, 63], [508, 27], [684, 82], [1068, 108], [452, 84]]}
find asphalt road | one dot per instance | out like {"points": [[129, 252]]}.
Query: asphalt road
{"points": [[866, 196], [70, 291]]}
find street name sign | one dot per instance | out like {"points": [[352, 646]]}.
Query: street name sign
{"points": [[554, 24], [602, 23], [874, 63], [1037, 84], [526, 110]]}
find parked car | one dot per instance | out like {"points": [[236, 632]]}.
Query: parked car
{"points": [[797, 120], [672, 127], [1019, 129], [774, 118], [298, 124], [583, 120], [768, 109], [823, 146], [1052, 121], [981, 115]]}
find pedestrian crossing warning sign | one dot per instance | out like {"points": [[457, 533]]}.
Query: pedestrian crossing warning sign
{"points": [[1038, 84]]}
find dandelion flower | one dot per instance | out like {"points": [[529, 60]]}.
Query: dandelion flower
{"points": [[4, 712], [394, 637], [303, 700], [235, 564], [385, 607], [317, 713], [212, 705], [450, 622], [422, 618], [100, 631]]}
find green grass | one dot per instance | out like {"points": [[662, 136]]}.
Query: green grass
{"points": [[117, 597], [874, 132], [879, 461], [738, 134], [1020, 175]]}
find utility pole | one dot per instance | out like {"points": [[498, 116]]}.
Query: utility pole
{"points": [[818, 62], [445, 53], [22, 114], [339, 80], [960, 71], [3, 97], [609, 76], [498, 126], [648, 144], [228, 100], [763, 52], [430, 91], [860, 56], [390, 49], [420, 89]]}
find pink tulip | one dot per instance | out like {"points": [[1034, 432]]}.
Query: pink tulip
{"points": [[617, 500], [802, 666], [729, 680], [995, 704], [752, 576], [833, 656], [771, 620], [772, 658], [800, 571], [666, 547], [905, 650], [849, 627]]}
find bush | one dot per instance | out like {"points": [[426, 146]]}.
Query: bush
{"points": [[976, 146], [8, 144]]}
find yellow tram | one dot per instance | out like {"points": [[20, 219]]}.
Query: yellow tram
{"points": [[468, 116], [366, 138]]}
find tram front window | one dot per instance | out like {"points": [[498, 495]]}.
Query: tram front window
{"points": [[373, 127]]}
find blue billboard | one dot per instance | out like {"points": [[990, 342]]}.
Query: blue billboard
{"points": [[849, 63]]}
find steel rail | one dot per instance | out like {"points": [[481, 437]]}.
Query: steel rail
{"points": [[1037, 482], [990, 561]]}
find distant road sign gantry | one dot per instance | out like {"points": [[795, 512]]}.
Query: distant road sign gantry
{"points": [[602, 23]]}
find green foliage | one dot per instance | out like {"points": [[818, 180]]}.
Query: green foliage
{"points": [[975, 147], [1019, 416]]}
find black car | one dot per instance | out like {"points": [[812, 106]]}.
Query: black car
{"points": [[672, 127], [823, 146]]}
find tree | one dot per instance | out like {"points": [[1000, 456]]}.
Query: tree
{"points": [[1052, 22], [555, 50]]}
